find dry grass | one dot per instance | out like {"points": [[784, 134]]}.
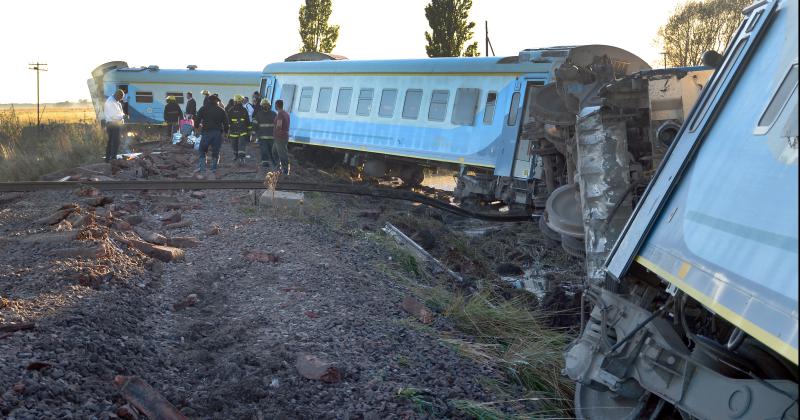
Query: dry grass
{"points": [[51, 114], [26, 153], [508, 336]]}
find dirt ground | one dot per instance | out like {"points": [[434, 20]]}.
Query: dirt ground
{"points": [[249, 290]]}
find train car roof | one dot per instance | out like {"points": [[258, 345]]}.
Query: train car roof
{"points": [[422, 65], [183, 76], [541, 60]]}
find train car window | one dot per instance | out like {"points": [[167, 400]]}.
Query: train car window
{"points": [[412, 104], [388, 99], [262, 88], [364, 106], [287, 95], [491, 104], [306, 93], [177, 95], [779, 100], [144, 97], [465, 106], [512, 112], [343, 102], [324, 100], [438, 108]]}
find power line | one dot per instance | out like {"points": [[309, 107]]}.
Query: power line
{"points": [[38, 67]]}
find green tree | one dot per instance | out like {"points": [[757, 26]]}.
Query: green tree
{"points": [[315, 33], [698, 26], [450, 29]]}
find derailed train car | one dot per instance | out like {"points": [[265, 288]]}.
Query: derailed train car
{"points": [[397, 116], [147, 88], [695, 297]]}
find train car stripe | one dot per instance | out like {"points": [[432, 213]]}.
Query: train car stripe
{"points": [[364, 148], [775, 343]]}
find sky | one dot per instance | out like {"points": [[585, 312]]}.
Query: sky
{"points": [[73, 37]]}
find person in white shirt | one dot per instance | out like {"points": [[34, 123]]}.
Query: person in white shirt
{"points": [[114, 118]]}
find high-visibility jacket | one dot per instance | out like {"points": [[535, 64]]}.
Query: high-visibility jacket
{"points": [[263, 123], [240, 121]]}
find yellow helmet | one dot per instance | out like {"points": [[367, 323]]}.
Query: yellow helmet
{"points": [[170, 98], [238, 98]]}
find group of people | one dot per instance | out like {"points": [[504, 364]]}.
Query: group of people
{"points": [[239, 122]]}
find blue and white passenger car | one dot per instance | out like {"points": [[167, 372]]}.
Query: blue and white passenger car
{"points": [[460, 112], [148, 87]]}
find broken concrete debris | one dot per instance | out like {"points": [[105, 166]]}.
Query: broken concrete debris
{"points": [[313, 367], [146, 399]]}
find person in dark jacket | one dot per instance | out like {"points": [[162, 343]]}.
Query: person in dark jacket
{"points": [[214, 123], [263, 124], [229, 106], [172, 115], [191, 105], [240, 129], [206, 97]]}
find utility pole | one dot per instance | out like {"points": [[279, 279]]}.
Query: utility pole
{"points": [[38, 67], [488, 42]]}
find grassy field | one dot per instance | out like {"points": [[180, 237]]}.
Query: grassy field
{"points": [[67, 139], [51, 114]]}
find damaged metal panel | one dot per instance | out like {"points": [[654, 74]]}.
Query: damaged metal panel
{"points": [[604, 179]]}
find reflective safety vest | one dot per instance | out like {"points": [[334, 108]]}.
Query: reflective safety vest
{"points": [[240, 122], [264, 123]]}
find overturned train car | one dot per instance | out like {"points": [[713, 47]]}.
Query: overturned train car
{"points": [[695, 289], [146, 88]]}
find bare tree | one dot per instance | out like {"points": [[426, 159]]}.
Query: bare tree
{"points": [[698, 26]]}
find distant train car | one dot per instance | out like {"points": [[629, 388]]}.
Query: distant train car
{"points": [[696, 306], [397, 115], [148, 87]]}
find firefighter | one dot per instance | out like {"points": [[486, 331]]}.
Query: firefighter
{"points": [[263, 124], [240, 129]]}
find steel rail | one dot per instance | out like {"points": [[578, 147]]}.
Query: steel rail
{"points": [[285, 185]]}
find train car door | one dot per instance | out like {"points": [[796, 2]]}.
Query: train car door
{"points": [[525, 165], [267, 88]]}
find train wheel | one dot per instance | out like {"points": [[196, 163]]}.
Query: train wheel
{"points": [[412, 176], [601, 405]]}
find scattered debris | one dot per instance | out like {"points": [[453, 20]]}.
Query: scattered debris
{"points": [[190, 300], [146, 399], [171, 217], [37, 365], [261, 256], [509, 269], [163, 253], [312, 367], [213, 230], [311, 314], [419, 253], [198, 194], [419, 310], [178, 225], [150, 236], [183, 241]]}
